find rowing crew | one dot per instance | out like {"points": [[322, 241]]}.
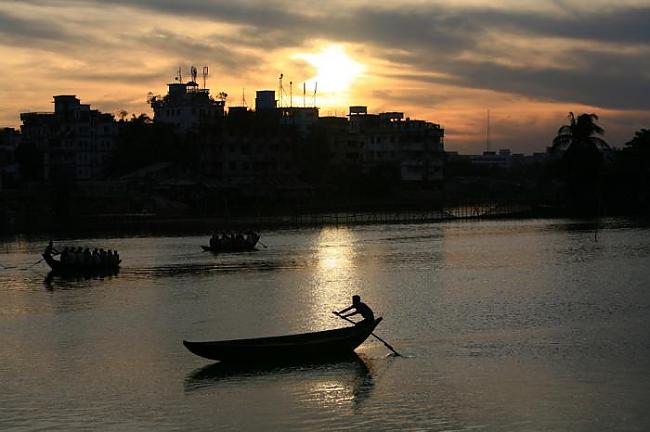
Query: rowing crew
{"points": [[84, 257], [233, 238]]}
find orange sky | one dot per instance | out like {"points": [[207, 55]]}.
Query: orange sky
{"points": [[528, 62]]}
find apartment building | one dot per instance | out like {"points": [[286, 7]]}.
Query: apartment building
{"points": [[74, 142]]}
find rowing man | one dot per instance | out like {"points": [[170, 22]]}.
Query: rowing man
{"points": [[359, 308], [50, 250]]}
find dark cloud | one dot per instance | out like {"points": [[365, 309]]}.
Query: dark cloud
{"points": [[611, 26], [608, 80], [204, 50], [19, 31]]}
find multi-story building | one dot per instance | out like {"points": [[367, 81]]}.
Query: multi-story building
{"points": [[187, 106], [414, 147], [255, 145], [503, 159], [9, 141], [74, 142]]}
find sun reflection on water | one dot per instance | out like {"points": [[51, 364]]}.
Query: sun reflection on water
{"points": [[335, 276]]}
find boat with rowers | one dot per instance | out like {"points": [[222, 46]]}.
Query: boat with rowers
{"points": [[82, 261], [233, 242]]}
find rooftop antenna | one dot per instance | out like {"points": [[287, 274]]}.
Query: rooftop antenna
{"points": [[243, 98], [291, 94], [280, 89], [487, 138], [315, 89], [194, 72], [304, 95], [179, 75], [205, 75]]}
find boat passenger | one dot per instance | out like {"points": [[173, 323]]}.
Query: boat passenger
{"points": [[77, 256], [359, 308], [117, 258], [87, 257], [65, 256]]}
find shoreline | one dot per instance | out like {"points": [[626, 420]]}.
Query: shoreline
{"points": [[149, 223]]}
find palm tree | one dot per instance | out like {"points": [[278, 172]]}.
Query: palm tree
{"points": [[582, 155], [580, 133]]}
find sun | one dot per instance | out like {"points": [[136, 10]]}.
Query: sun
{"points": [[335, 70]]}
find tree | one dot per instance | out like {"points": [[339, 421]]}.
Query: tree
{"points": [[640, 142], [635, 160], [581, 149], [580, 133], [142, 142]]}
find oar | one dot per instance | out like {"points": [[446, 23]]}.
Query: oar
{"points": [[380, 339], [260, 242], [32, 265]]}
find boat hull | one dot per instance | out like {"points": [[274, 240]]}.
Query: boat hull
{"points": [[245, 248], [318, 345]]}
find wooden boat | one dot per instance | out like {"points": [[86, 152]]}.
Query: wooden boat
{"points": [[61, 268], [317, 345], [243, 243]]}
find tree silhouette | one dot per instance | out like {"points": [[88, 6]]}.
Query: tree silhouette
{"points": [[142, 142], [636, 163], [582, 156], [640, 142]]}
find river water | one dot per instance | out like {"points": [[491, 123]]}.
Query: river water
{"points": [[532, 325]]}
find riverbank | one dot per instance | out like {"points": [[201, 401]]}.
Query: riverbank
{"points": [[154, 224]]}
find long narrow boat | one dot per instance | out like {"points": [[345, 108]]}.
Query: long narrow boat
{"points": [[245, 243], [59, 267], [317, 345]]}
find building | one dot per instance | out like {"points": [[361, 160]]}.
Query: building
{"points": [[414, 147], [302, 118], [187, 106], [74, 142], [503, 159], [9, 141]]}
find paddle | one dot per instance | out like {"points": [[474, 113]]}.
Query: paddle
{"points": [[380, 339], [32, 265]]}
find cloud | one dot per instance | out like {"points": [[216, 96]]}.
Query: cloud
{"points": [[562, 52], [16, 30]]}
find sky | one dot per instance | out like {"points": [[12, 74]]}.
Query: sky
{"points": [[529, 63]]}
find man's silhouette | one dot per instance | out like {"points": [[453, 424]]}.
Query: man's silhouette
{"points": [[359, 308]]}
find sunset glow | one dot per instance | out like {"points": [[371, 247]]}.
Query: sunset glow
{"points": [[530, 63], [336, 72]]}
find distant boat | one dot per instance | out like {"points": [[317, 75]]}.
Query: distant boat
{"points": [[238, 242], [82, 269], [317, 345]]}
